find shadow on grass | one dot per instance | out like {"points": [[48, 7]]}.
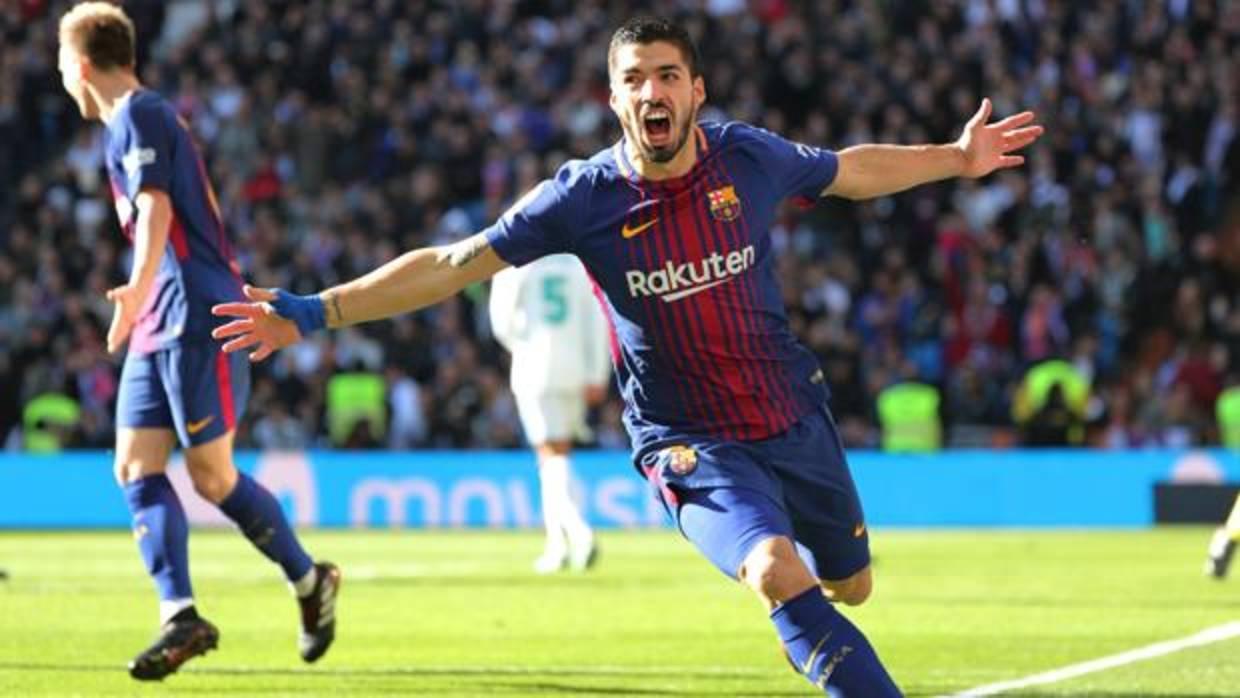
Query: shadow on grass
{"points": [[542, 680], [380, 679]]}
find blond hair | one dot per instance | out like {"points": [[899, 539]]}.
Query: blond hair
{"points": [[101, 32]]}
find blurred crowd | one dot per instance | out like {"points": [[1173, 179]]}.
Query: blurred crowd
{"points": [[339, 133]]}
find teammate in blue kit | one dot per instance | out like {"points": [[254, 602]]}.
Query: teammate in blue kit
{"points": [[726, 409], [176, 384]]}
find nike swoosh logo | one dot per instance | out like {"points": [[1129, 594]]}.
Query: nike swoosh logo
{"points": [[809, 661], [195, 427], [668, 298], [626, 232]]}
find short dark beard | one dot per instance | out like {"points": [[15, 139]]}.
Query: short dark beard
{"points": [[666, 154]]}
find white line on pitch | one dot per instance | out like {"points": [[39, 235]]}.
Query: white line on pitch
{"points": [[1208, 636]]}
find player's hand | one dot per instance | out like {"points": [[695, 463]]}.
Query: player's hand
{"points": [[595, 394], [128, 300], [987, 147], [257, 323]]}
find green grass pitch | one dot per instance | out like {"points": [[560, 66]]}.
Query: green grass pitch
{"points": [[458, 614]]}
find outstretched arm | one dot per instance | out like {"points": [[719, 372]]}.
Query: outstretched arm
{"points": [[275, 319], [411, 282], [867, 171]]}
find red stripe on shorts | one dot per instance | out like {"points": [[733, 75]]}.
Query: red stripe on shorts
{"points": [[223, 375]]}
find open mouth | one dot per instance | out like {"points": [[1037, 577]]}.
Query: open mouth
{"points": [[658, 125]]}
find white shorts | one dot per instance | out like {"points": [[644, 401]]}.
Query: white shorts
{"points": [[559, 416]]}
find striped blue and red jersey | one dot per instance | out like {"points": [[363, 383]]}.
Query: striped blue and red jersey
{"points": [[149, 147], [688, 278]]}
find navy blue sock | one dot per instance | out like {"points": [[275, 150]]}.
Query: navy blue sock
{"points": [[261, 519], [162, 532], [829, 650]]}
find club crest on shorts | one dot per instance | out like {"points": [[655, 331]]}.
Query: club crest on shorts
{"points": [[724, 204], [681, 460]]}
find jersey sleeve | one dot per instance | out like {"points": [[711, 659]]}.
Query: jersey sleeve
{"points": [[541, 222], [147, 160], [798, 170]]}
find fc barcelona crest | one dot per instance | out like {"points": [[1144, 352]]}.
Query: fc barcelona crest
{"points": [[681, 460], [724, 204]]}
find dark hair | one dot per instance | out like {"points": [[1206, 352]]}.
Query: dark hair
{"points": [[647, 30], [100, 31]]}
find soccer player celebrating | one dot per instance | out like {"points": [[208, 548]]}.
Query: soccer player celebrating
{"points": [[176, 384], [545, 313], [726, 409]]}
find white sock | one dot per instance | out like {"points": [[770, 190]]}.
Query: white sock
{"points": [[170, 607], [570, 519], [1219, 543], [551, 477], [1233, 521], [305, 585]]}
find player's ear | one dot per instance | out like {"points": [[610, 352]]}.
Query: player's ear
{"points": [[85, 69], [699, 91]]}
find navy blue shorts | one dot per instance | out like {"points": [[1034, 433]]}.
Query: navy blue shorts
{"points": [[727, 496], [194, 389]]}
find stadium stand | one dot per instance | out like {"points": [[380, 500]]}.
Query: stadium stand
{"points": [[339, 133]]}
